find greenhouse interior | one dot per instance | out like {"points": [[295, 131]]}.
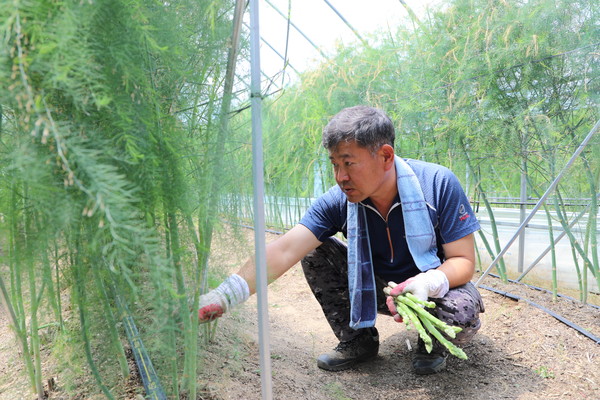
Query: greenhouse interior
{"points": [[152, 150]]}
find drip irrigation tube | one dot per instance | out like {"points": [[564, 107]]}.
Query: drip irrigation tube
{"points": [[564, 296], [550, 312], [154, 390], [252, 228]]}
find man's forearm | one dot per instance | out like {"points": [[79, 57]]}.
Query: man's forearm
{"points": [[282, 254], [276, 266], [458, 270], [248, 272]]}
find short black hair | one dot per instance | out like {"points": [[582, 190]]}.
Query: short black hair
{"points": [[369, 127]]}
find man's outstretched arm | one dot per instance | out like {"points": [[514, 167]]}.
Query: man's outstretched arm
{"points": [[281, 255]]}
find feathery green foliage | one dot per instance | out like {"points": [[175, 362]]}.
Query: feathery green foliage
{"points": [[111, 133], [103, 124], [488, 89]]}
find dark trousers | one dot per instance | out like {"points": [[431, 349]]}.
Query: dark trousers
{"points": [[326, 271]]}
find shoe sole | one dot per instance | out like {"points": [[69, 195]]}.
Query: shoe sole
{"points": [[344, 366], [429, 371]]}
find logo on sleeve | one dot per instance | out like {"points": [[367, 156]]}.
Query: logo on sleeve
{"points": [[462, 213]]}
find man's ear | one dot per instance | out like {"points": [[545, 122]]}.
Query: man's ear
{"points": [[387, 152]]}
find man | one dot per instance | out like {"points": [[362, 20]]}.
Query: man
{"points": [[406, 221]]}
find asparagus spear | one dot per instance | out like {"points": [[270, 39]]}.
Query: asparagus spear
{"points": [[410, 315], [452, 348], [451, 331], [412, 309]]}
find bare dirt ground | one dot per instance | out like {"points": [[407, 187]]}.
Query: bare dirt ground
{"points": [[520, 352], [13, 383]]}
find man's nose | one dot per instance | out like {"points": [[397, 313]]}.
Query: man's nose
{"points": [[341, 175]]}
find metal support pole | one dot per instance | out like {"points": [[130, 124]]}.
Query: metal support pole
{"points": [[364, 42], [542, 200], [523, 211], [277, 53], [259, 207], [299, 31]]}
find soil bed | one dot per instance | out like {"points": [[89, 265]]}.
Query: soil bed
{"points": [[520, 352]]}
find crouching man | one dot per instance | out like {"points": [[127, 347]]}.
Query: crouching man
{"points": [[405, 221]]}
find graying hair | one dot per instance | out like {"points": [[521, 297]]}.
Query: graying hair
{"points": [[370, 127]]}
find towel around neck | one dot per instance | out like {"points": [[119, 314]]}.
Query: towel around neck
{"points": [[420, 236]]}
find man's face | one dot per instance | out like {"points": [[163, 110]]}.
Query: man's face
{"points": [[357, 171]]}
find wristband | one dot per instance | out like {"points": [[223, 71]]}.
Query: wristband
{"points": [[234, 290]]}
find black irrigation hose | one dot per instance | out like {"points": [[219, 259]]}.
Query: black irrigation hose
{"points": [[252, 228], [546, 291], [154, 390], [546, 310]]}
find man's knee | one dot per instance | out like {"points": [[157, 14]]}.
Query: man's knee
{"points": [[461, 307]]}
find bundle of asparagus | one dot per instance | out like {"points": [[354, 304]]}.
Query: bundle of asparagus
{"points": [[412, 311]]}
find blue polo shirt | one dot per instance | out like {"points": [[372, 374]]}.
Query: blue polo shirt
{"points": [[449, 209]]}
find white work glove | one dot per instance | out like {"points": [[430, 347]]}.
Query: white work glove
{"points": [[433, 283], [233, 291]]}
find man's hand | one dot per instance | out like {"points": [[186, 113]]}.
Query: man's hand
{"points": [[233, 291], [212, 306], [432, 283], [391, 305]]}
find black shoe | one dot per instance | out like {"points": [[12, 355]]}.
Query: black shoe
{"points": [[346, 354], [425, 363]]}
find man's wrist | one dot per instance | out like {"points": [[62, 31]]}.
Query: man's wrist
{"points": [[234, 290], [438, 284]]}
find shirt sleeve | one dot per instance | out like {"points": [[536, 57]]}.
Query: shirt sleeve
{"points": [[455, 215], [326, 216]]}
